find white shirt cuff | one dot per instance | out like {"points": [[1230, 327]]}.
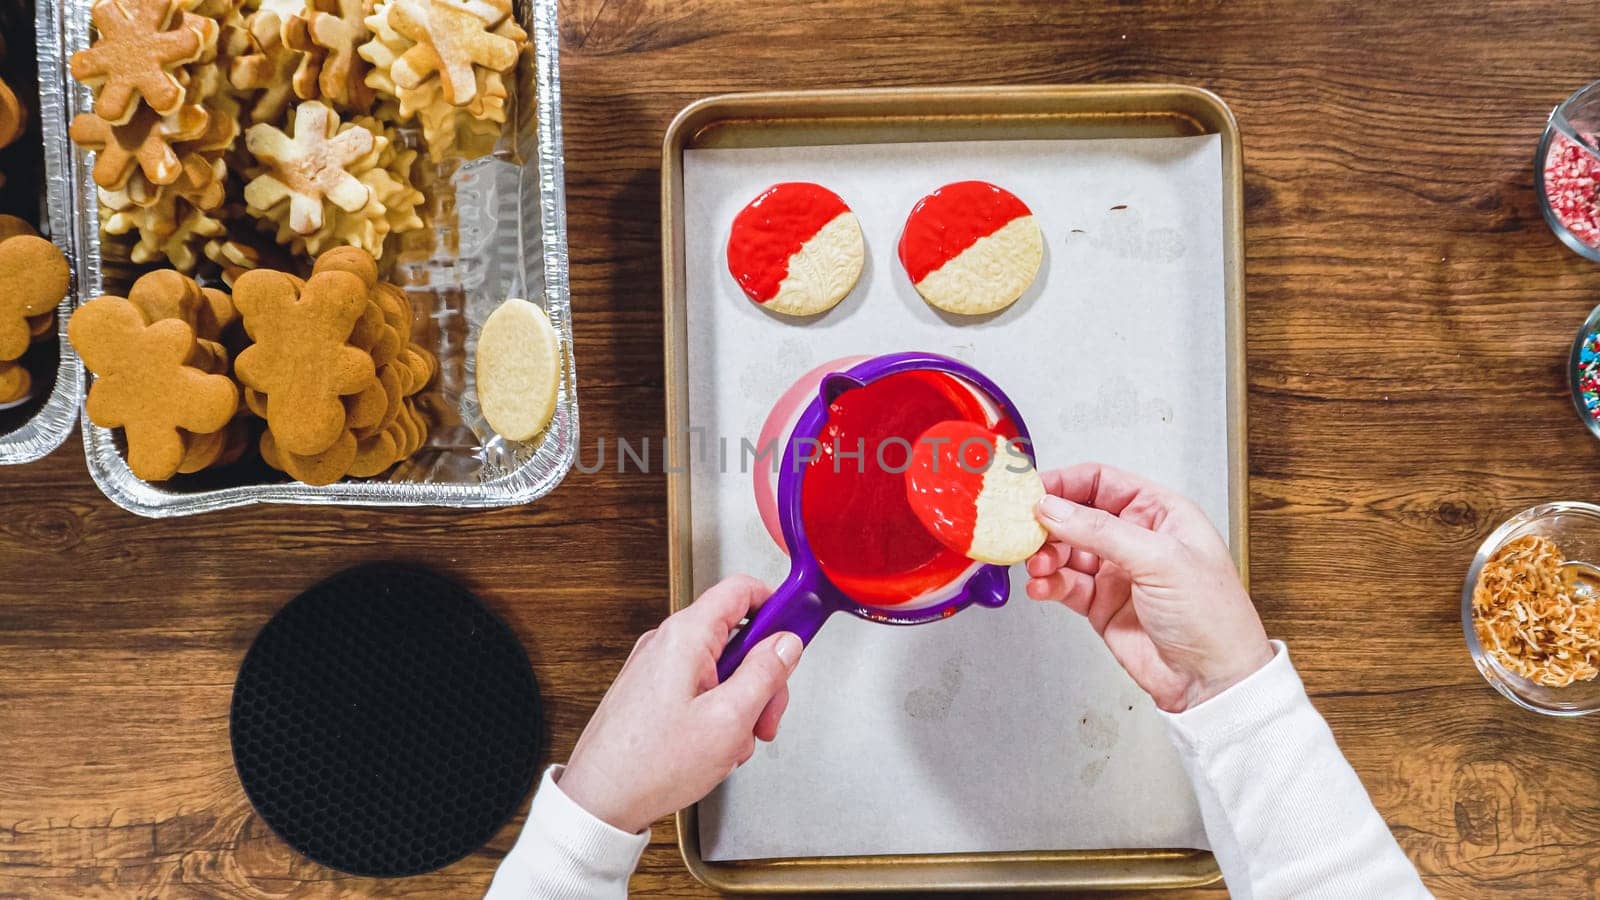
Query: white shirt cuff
{"points": [[1262, 697], [564, 851], [612, 851]]}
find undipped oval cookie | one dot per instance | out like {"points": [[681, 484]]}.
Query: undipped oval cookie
{"points": [[518, 370], [796, 249], [971, 248]]}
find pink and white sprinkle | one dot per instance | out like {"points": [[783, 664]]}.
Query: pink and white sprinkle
{"points": [[1572, 185]]}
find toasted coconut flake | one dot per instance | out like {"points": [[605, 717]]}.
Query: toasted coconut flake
{"points": [[1530, 621]]}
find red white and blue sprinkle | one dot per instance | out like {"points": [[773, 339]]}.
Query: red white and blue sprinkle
{"points": [[1589, 374]]}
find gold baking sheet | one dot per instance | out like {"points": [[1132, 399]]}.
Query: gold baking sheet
{"points": [[816, 118]]}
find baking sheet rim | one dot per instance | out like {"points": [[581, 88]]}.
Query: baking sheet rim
{"points": [[944, 871]]}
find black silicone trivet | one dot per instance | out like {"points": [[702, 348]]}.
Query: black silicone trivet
{"points": [[385, 723]]}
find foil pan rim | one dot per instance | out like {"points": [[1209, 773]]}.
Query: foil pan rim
{"points": [[48, 428], [534, 478]]}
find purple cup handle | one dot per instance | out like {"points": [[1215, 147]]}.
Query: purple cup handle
{"points": [[990, 586], [795, 606]]}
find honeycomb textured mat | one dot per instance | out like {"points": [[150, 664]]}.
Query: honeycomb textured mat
{"points": [[386, 723]]}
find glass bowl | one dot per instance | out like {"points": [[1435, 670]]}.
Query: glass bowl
{"points": [[1575, 528], [1581, 112], [1583, 372]]}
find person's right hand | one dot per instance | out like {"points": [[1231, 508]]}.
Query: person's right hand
{"points": [[1154, 579], [666, 732]]}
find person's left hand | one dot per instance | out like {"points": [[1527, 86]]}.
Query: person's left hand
{"points": [[666, 733]]}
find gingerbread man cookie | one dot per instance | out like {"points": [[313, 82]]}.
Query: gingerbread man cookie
{"points": [[11, 226], [325, 467], [375, 454], [34, 276], [15, 382], [144, 386], [300, 358]]}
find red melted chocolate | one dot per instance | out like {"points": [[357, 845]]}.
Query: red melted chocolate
{"points": [[773, 228], [946, 476], [858, 521], [946, 222]]}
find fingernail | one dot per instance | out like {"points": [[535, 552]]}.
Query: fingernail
{"points": [[1054, 508], [788, 649]]}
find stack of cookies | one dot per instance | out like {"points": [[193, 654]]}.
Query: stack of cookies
{"points": [[168, 295], [162, 123], [331, 368], [241, 139], [323, 183], [33, 279], [327, 362], [445, 63], [318, 88], [161, 374]]}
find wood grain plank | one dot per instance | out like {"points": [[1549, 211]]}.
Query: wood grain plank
{"points": [[1408, 317]]}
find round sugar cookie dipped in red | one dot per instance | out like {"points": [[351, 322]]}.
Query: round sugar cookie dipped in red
{"points": [[971, 248], [796, 249], [975, 492]]}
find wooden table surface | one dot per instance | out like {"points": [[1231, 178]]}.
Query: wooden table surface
{"points": [[1409, 315]]}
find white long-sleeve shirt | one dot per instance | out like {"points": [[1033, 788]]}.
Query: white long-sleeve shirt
{"points": [[1285, 813], [565, 853]]}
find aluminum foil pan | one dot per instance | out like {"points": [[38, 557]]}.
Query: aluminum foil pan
{"points": [[502, 234], [29, 431]]}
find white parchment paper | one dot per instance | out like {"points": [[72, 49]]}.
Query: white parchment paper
{"points": [[993, 730]]}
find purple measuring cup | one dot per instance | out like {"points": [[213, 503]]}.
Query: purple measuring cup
{"points": [[807, 597]]}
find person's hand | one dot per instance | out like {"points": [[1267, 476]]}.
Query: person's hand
{"points": [[1153, 577], [666, 733]]}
